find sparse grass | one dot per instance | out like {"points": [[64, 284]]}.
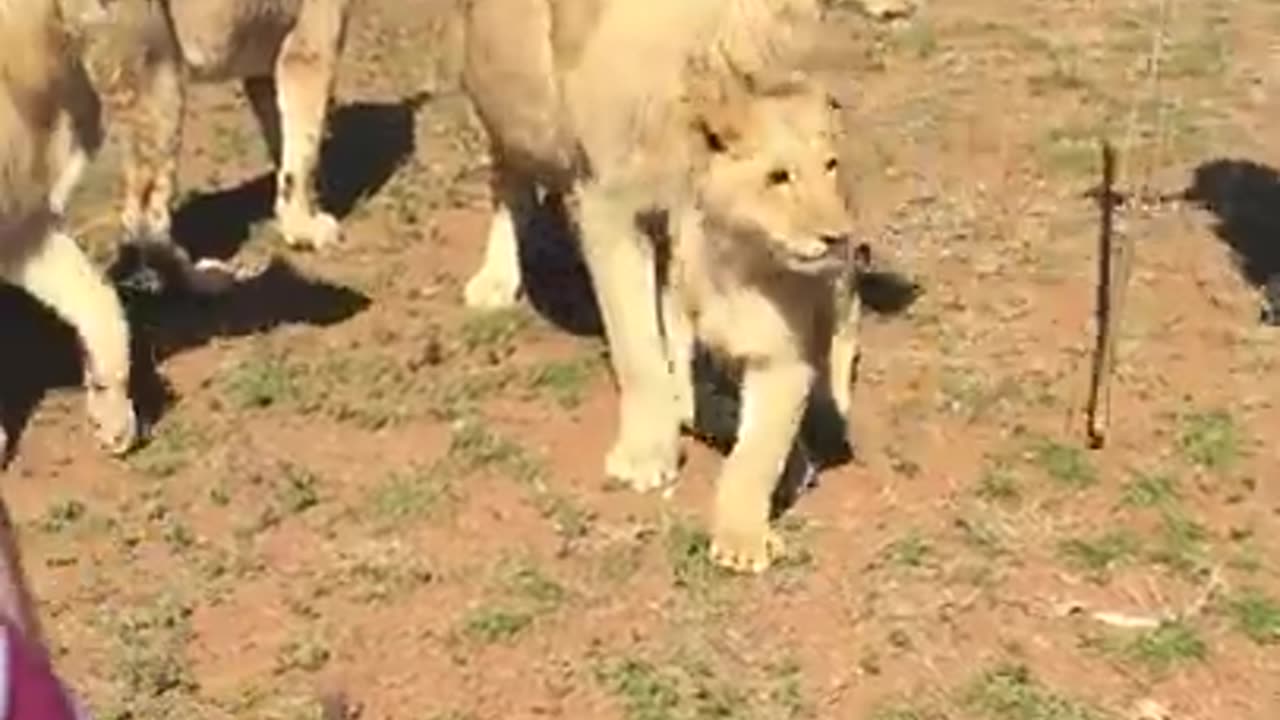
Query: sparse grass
{"points": [[564, 381], [687, 688], [305, 653], [150, 651], [1098, 556], [999, 483], [1010, 692], [1182, 544], [1256, 614], [1069, 152], [174, 444], [1151, 490], [1210, 440], [491, 330], [529, 584], [62, 515], [1168, 646], [901, 711], [296, 490], [378, 571], [1065, 464], [527, 595], [644, 692], [492, 624], [415, 493], [263, 379], [972, 395], [689, 556], [787, 693], [571, 520], [911, 550], [474, 445]]}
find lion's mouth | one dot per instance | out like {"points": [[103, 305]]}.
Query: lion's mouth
{"points": [[821, 257]]}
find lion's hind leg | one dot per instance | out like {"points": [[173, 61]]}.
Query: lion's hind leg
{"points": [[58, 273], [261, 93], [304, 81], [497, 284]]}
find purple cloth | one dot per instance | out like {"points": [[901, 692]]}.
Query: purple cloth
{"points": [[32, 690]]}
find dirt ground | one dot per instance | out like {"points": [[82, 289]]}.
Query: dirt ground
{"points": [[355, 485]]}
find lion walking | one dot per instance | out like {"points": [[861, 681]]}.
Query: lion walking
{"points": [[706, 195], [284, 52], [48, 129]]}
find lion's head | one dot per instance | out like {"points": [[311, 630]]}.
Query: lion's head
{"points": [[771, 174]]}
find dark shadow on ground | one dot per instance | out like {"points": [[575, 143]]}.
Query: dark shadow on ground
{"points": [[557, 283], [1244, 196], [365, 145], [42, 353]]}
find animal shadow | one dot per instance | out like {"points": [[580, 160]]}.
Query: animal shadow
{"points": [[1244, 197], [366, 143], [557, 283], [888, 292], [45, 352]]}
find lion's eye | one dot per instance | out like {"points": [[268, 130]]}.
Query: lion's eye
{"points": [[832, 164], [779, 177]]}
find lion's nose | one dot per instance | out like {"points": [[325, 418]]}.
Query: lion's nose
{"points": [[834, 241]]}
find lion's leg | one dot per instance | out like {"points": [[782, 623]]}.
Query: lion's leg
{"points": [[58, 274], [677, 325], [621, 262], [304, 81], [77, 137], [70, 160], [152, 145], [497, 283], [773, 401], [679, 331], [844, 346], [261, 93]]}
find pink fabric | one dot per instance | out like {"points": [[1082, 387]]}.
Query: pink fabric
{"points": [[35, 692]]}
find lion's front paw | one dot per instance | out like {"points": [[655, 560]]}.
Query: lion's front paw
{"points": [[491, 290], [311, 232], [745, 547], [210, 276], [114, 421], [643, 468]]}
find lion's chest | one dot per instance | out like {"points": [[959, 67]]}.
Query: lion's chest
{"points": [[737, 321]]}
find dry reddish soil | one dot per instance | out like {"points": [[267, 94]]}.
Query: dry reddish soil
{"points": [[355, 485]]}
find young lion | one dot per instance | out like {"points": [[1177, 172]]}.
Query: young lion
{"points": [[284, 51], [48, 128], [647, 113]]}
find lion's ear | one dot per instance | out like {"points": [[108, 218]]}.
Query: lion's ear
{"points": [[718, 107]]}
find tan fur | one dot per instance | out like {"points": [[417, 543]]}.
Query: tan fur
{"points": [[48, 127], [285, 52], [676, 110]]}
